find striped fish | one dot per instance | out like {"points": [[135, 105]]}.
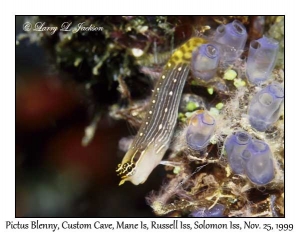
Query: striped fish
{"points": [[155, 133]]}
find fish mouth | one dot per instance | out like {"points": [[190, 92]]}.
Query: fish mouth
{"points": [[125, 170]]}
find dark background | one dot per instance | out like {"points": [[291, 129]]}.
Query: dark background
{"points": [[55, 175]]}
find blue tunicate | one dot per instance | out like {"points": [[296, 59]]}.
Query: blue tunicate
{"points": [[265, 106], [233, 37], [216, 211], [205, 61], [201, 128], [259, 167], [261, 59], [250, 157], [235, 146]]}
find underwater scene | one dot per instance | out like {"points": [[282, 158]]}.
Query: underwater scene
{"points": [[150, 116]]}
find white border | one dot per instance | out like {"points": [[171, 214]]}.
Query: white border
{"points": [[7, 92]]}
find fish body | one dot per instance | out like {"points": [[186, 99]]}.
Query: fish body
{"points": [[155, 133]]}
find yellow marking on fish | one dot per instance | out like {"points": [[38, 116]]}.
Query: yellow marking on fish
{"points": [[184, 53]]}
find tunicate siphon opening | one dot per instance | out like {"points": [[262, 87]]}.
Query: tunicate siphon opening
{"points": [[242, 138], [243, 57], [221, 29], [246, 155], [239, 28], [254, 44], [259, 146], [211, 51], [207, 119], [266, 99], [277, 90]]}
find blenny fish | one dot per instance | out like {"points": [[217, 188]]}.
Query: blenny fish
{"points": [[155, 133]]}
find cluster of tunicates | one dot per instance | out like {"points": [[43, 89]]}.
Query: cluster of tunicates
{"points": [[200, 129], [251, 157], [227, 45], [265, 106], [245, 155]]}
